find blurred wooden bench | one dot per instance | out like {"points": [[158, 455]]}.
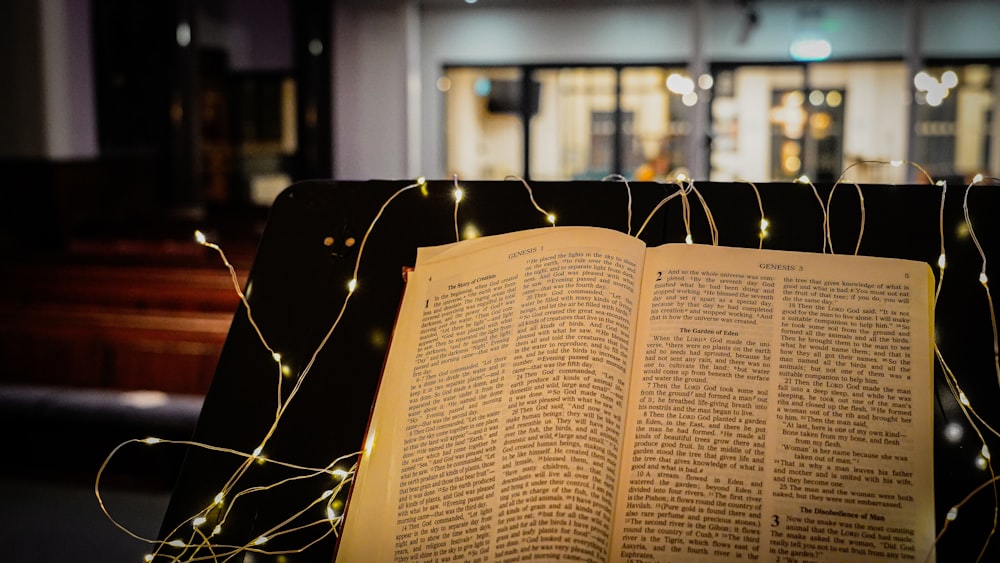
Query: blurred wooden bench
{"points": [[114, 326]]}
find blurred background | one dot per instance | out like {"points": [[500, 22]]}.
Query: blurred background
{"points": [[126, 125]]}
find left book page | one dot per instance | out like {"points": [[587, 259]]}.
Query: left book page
{"points": [[498, 424]]}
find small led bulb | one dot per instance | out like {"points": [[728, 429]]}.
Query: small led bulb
{"points": [[352, 285], [199, 521], [952, 514], [151, 441], [551, 217], [977, 178], [218, 498], [896, 163], [277, 357], [764, 224], [458, 194], [689, 239], [985, 451], [330, 514], [941, 261], [982, 278], [260, 540], [176, 543], [199, 237]]}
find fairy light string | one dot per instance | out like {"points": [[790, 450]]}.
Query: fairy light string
{"points": [[549, 216], [628, 192], [457, 194], [283, 405], [765, 225], [983, 279], [199, 545], [975, 421], [823, 209]]}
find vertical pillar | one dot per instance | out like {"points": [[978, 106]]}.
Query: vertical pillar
{"points": [[697, 142], [414, 126], [184, 186], [914, 62], [312, 22]]}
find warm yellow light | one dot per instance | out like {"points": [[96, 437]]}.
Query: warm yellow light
{"points": [[963, 399], [764, 224], [688, 239], [352, 285], [896, 163], [199, 521], [803, 179], [148, 557], [326, 494], [470, 231], [952, 514], [458, 194], [256, 451], [199, 237], [339, 473], [176, 543], [551, 218], [260, 540], [977, 178], [217, 530], [982, 278], [218, 498], [277, 357], [986, 452], [151, 441], [941, 261], [330, 514]]}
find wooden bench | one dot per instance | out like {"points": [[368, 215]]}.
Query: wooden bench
{"points": [[114, 326]]}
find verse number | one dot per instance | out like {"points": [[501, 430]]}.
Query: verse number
{"points": [[775, 521], [659, 276]]}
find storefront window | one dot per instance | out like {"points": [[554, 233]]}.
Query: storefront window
{"points": [[573, 136], [765, 122], [484, 135], [775, 123], [585, 122]]}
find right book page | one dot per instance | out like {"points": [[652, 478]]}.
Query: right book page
{"points": [[780, 409]]}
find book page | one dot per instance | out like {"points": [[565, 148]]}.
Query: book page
{"points": [[497, 430], [780, 409]]}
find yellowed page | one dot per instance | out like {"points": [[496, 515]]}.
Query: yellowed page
{"points": [[497, 429], [780, 409]]}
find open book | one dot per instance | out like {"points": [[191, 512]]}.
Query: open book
{"points": [[567, 393]]}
